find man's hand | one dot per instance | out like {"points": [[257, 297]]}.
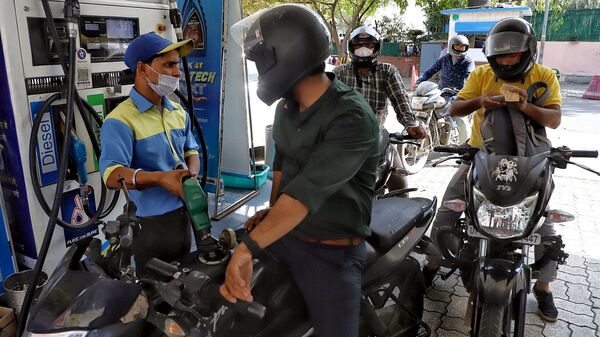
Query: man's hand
{"points": [[488, 103], [256, 219], [171, 181], [522, 103], [238, 276], [417, 132]]}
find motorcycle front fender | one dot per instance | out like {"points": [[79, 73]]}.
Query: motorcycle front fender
{"points": [[499, 280]]}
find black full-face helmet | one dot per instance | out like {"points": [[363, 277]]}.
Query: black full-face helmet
{"points": [[286, 42], [507, 36], [360, 37]]}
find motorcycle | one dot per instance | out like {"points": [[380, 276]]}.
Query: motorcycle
{"points": [[101, 296], [385, 166], [431, 107], [506, 201]]}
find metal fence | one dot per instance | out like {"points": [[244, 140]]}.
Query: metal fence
{"points": [[572, 25]]}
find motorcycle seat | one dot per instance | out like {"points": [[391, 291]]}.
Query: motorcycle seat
{"points": [[393, 218]]}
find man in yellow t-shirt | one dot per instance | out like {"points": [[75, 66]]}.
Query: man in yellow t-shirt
{"points": [[511, 51]]}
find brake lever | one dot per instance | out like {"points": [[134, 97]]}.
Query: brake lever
{"points": [[583, 167], [446, 159]]}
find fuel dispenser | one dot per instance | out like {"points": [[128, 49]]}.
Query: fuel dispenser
{"points": [[34, 81]]}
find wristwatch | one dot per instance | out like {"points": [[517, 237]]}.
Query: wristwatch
{"points": [[255, 250]]}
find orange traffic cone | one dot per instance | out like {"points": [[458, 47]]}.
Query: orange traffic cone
{"points": [[413, 77]]}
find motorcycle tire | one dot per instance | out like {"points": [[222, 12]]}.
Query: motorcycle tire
{"points": [[413, 158], [491, 320]]}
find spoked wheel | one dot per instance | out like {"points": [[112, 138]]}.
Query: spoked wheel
{"points": [[414, 157]]}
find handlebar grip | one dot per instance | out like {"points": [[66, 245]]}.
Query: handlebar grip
{"points": [[253, 309], [400, 136], [585, 153], [449, 149], [161, 267]]}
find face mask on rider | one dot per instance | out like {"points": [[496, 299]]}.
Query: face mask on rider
{"points": [[166, 84], [363, 52]]}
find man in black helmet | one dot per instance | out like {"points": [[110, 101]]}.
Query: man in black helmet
{"points": [[511, 50], [455, 66], [324, 170], [378, 82]]}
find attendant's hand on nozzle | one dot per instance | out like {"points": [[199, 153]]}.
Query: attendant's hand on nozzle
{"points": [[489, 102], [417, 132], [172, 180], [256, 219]]}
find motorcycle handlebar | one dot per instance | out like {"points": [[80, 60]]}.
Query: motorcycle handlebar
{"points": [[584, 153], [252, 309], [161, 267], [448, 149]]}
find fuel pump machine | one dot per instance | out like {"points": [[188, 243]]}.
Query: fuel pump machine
{"points": [[32, 78]]}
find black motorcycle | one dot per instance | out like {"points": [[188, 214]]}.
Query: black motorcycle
{"points": [[101, 296], [506, 201]]}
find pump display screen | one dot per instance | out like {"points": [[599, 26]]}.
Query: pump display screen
{"points": [[107, 38], [119, 29]]}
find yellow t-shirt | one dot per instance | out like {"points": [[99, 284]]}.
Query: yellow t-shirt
{"points": [[483, 81]]}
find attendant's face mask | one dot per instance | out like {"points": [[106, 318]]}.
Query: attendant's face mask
{"points": [[166, 84]]}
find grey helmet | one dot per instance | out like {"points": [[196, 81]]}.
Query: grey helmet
{"points": [[507, 36], [458, 40], [360, 36]]}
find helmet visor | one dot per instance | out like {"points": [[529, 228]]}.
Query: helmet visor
{"points": [[246, 32], [506, 43], [248, 35]]}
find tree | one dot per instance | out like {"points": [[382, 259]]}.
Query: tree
{"points": [[391, 28], [436, 21], [340, 16]]}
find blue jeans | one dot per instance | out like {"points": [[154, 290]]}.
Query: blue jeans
{"points": [[330, 281]]}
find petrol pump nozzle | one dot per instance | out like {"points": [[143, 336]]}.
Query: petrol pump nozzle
{"points": [[196, 204]]}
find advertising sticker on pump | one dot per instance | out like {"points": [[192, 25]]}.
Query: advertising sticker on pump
{"points": [[203, 23], [47, 149]]}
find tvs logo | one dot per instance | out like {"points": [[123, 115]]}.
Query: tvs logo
{"points": [[506, 171]]}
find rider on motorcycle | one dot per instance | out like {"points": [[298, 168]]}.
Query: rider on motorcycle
{"points": [[326, 154], [455, 66], [511, 52], [378, 82]]}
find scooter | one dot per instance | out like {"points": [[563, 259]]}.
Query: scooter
{"points": [[506, 201], [101, 296], [432, 110]]}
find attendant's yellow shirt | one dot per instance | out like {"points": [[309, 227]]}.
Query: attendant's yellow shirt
{"points": [[483, 81]]}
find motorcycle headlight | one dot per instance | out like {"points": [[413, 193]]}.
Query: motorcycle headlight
{"points": [[72, 333], [504, 222]]}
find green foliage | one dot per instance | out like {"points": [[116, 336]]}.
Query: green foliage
{"points": [[391, 28], [435, 21], [341, 16]]}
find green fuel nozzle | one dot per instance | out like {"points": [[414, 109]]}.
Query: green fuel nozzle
{"points": [[196, 203]]}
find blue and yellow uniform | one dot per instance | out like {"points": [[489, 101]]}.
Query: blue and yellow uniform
{"points": [[136, 134]]}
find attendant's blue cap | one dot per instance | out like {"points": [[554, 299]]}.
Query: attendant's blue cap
{"points": [[145, 46]]}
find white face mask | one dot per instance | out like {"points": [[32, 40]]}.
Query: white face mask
{"points": [[363, 52], [166, 84]]}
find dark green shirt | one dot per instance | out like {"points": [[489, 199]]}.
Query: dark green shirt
{"points": [[327, 155]]}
